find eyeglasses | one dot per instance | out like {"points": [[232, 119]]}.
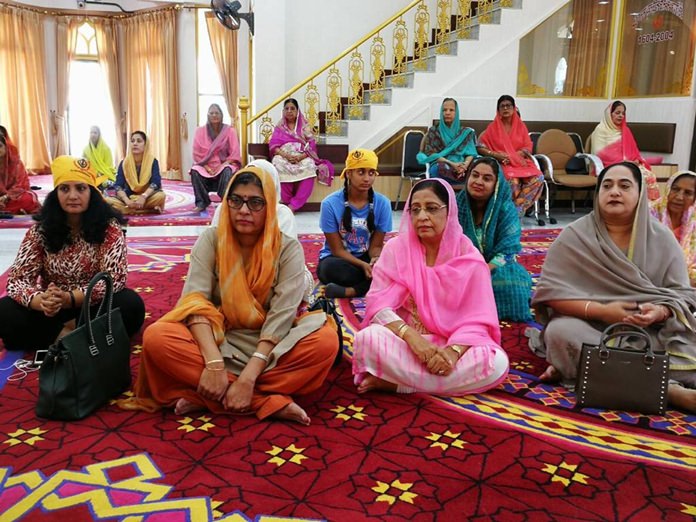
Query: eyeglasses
{"points": [[430, 210], [254, 204], [506, 106]]}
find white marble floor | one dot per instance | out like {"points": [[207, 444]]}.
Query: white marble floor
{"points": [[307, 223]]}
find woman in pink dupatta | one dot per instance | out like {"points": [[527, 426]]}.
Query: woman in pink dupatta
{"points": [[613, 142], [16, 196], [507, 140], [423, 336], [294, 154], [216, 157]]}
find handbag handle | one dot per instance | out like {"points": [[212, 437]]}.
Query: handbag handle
{"points": [[621, 331], [86, 314]]}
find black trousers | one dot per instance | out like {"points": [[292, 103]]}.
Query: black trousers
{"points": [[333, 269], [24, 329], [202, 185]]}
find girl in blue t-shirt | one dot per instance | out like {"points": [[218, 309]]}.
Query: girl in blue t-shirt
{"points": [[354, 221]]}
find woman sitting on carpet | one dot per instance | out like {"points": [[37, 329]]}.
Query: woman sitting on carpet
{"points": [[16, 196], [507, 140], [617, 264], [354, 221], [448, 147], [77, 235], [434, 327], [286, 219], [216, 158], [138, 183], [234, 343], [294, 152], [613, 142], [489, 219], [98, 154], [676, 210]]}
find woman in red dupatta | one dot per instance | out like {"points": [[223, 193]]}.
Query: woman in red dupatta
{"points": [[294, 154], [613, 142], [216, 157], [16, 197], [507, 140]]}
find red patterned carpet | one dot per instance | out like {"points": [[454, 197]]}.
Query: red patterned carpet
{"points": [[179, 207], [518, 453]]}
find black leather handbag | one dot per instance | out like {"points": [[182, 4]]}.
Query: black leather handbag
{"points": [[623, 372], [89, 366], [329, 308]]}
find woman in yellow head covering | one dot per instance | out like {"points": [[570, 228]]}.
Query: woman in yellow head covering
{"points": [[76, 236], [138, 183], [233, 342], [99, 155]]}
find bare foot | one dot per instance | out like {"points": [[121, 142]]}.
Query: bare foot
{"points": [[550, 375], [292, 412], [681, 398], [184, 406], [372, 383]]}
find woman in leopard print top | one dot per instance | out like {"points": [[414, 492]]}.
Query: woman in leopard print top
{"points": [[77, 235]]}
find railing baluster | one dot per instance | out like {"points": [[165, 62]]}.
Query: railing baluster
{"points": [[334, 108], [377, 52], [356, 66], [464, 19], [400, 44], [266, 128], [443, 26], [311, 111], [422, 28]]}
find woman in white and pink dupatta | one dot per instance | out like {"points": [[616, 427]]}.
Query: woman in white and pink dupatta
{"points": [[293, 152], [433, 325], [216, 157]]}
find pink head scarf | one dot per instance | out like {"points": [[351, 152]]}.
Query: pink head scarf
{"points": [[454, 297]]}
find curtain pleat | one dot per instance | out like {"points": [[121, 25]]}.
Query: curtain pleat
{"points": [[224, 45], [66, 36], [106, 33]]}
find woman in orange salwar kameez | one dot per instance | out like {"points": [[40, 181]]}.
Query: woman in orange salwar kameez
{"points": [[16, 196], [233, 343]]}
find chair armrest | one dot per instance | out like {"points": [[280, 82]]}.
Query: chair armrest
{"points": [[545, 165], [593, 162]]}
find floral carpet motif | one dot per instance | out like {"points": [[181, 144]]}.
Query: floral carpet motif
{"points": [[382, 457]]}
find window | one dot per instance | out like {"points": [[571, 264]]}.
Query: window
{"points": [[568, 53], [89, 99], [657, 48], [209, 88]]}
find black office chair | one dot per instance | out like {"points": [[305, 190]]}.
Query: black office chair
{"points": [[410, 168]]}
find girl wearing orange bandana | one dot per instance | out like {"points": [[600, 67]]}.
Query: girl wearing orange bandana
{"points": [[233, 343], [138, 183]]}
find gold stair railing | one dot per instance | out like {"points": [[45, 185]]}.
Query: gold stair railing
{"points": [[381, 57]]}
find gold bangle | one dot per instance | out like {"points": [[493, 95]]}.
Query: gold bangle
{"points": [[401, 331], [261, 356], [587, 305], [219, 365]]}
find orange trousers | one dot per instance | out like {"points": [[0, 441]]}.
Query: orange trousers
{"points": [[171, 365]]}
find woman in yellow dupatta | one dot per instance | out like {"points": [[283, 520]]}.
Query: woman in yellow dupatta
{"points": [[99, 155], [138, 183], [234, 343]]}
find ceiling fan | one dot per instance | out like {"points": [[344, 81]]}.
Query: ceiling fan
{"points": [[227, 12]]}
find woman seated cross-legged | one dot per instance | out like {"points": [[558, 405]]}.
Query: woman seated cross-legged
{"points": [[617, 264], [676, 210], [354, 221], [77, 235], [138, 183], [98, 153], [16, 196], [489, 219], [431, 313], [234, 343]]}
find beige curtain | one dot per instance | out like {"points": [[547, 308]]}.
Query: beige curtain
{"points": [[66, 36], [588, 55], [23, 91], [224, 45], [151, 72], [106, 33]]}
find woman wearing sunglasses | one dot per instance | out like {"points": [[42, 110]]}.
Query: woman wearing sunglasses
{"points": [[233, 342]]}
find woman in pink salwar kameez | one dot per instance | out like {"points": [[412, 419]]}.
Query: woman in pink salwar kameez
{"points": [[433, 325]]}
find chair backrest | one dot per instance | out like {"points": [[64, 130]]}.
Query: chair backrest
{"points": [[558, 146], [534, 136], [409, 163], [577, 140]]}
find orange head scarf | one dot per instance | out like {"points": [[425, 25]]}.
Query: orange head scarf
{"points": [[244, 288]]}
